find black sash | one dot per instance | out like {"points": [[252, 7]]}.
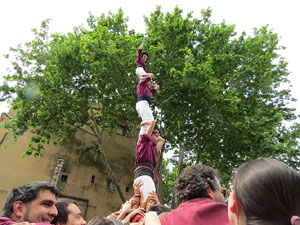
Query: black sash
{"points": [[144, 168], [144, 98]]}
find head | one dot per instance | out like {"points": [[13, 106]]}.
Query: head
{"points": [[68, 213], [145, 56], [198, 181], [117, 222], [100, 220], [154, 137], [34, 203], [159, 208], [266, 191]]}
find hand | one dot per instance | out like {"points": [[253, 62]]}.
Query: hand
{"points": [[143, 123], [161, 139], [142, 45], [146, 123], [135, 200], [136, 187], [156, 87], [113, 216], [142, 202], [151, 75], [153, 197], [138, 211], [126, 207]]}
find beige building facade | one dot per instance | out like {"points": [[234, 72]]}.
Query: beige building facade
{"points": [[85, 181]]}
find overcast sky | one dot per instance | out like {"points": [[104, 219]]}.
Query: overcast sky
{"points": [[18, 17]]}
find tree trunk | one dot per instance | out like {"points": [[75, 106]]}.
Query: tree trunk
{"points": [[181, 156], [180, 168], [160, 192], [159, 185], [98, 134], [111, 175], [173, 204], [199, 154]]}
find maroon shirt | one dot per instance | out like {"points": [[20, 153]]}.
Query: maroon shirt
{"points": [[9, 221], [200, 211], [140, 61], [146, 151], [142, 88]]}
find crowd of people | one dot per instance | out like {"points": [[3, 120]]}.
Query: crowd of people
{"points": [[265, 191]]}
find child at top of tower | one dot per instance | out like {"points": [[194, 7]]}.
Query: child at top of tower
{"points": [[141, 59]]}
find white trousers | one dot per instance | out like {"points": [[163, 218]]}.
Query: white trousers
{"points": [[145, 112], [141, 73], [148, 185]]}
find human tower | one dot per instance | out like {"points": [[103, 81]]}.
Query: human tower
{"points": [[149, 142]]}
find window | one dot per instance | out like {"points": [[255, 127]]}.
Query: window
{"points": [[93, 179], [110, 185], [121, 130], [64, 178]]}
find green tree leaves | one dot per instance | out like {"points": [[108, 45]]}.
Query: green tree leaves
{"points": [[219, 96], [220, 93]]}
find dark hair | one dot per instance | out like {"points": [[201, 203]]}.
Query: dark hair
{"points": [[117, 222], [146, 53], [25, 193], [155, 131], [268, 192], [159, 208], [100, 220], [62, 209], [193, 183]]}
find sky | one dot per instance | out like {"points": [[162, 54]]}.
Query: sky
{"points": [[18, 17]]}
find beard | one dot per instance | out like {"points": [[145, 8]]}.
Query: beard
{"points": [[44, 219], [26, 214]]}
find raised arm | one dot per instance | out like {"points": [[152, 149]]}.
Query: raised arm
{"points": [[142, 45], [147, 79], [140, 54], [126, 208], [138, 211], [160, 143], [151, 124]]}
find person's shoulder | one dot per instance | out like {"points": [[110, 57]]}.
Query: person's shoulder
{"points": [[144, 138], [6, 221]]}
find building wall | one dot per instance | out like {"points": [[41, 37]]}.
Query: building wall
{"points": [[85, 181]]}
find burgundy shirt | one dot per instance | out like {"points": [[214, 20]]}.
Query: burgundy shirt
{"points": [[146, 151], [200, 211], [9, 221], [142, 88], [140, 61]]}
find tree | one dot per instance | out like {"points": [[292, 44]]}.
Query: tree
{"points": [[220, 92], [82, 80], [220, 101]]}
